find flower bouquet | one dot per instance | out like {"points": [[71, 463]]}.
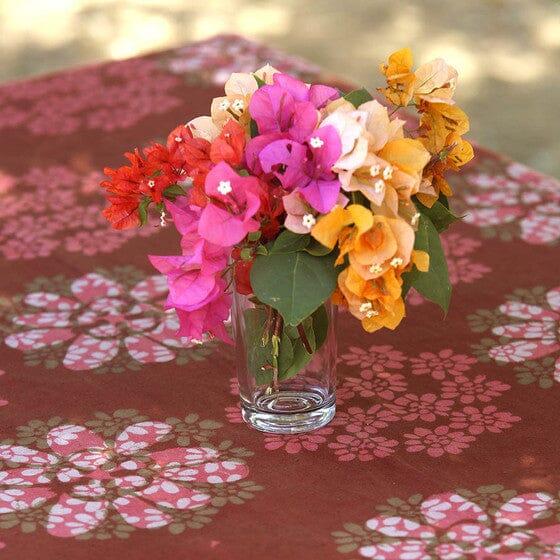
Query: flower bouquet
{"points": [[291, 199]]}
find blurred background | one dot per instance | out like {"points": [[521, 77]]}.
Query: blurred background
{"points": [[507, 52]]}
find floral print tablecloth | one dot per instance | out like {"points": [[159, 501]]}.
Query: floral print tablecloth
{"points": [[120, 441]]}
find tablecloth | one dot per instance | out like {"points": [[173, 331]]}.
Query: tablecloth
{"points": [[119, 441]]}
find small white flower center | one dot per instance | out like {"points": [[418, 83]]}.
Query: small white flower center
{"points": [[379, 186], [316, 142], [178, 139], [151, 183], [374, 170], [376, 268], [365, 307], [308, 221], [224, 105], [387, 173], [415, 219], [372, 313], [238, 105], [224, 187], [396, 261]]}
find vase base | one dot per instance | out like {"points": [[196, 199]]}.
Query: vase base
{"points": [[289, 412]]}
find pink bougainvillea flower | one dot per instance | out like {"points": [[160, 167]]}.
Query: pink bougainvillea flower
{"points": [[285, 159], [234, 200], [289, 106], [208, 319], [196, 290], [254, 148], [189, 287], [306, 167], [199, 299], [299, 215]]}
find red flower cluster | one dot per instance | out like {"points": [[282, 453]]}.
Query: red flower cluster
{"points": [[131, 188]]}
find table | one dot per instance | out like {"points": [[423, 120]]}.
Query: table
{"points": [[119, 442]]}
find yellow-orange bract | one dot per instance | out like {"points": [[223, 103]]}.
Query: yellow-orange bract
{"points": [[399, 77], [379, 249], [430, 89], [377, 160], [238, 89]]}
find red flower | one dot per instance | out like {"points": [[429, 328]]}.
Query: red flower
{"points": [[229, 145], [129, 183], [241, 273], [271, 211], [123, 212]]}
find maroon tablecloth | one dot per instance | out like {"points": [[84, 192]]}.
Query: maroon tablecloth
{"points": [[118, 441]]}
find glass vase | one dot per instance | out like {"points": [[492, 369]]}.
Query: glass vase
{"points": [[286, 374]]}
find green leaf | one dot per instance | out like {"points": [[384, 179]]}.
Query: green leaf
{"points": [[143, 209], [295, 284], [173, 191], [285, 356], [317, 249], [243, 173], [260, 82], [246, 254], [434, 284], [289, 242], [261, 250], [439, 215], [320, 326], [301, 357], [408, 280], [443, 199], [358, 96], [259, 356], [253, 128], [254, 235]]}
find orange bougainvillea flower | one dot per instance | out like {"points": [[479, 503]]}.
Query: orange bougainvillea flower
{"points": [[442, 126], [377, 303], [387, 244], [399, 77], [374, 243], [379, 249], [434, 82], [438, 121], [376, 159]]}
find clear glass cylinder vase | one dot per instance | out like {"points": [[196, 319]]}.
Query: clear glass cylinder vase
{"points": [[286, 374]]}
